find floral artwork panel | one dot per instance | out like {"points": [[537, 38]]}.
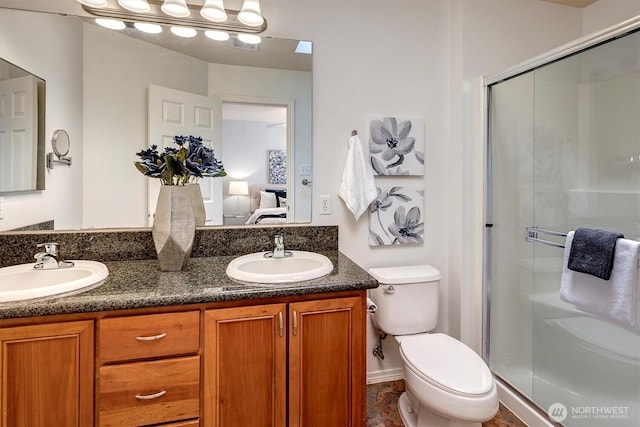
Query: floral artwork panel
{"points": [[396, 146], [396, 216], [277, 167]]}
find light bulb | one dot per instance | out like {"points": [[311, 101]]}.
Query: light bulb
{"points": [[219, 36], [147, 27], [249, 38], [112, 24], [184, 31]]}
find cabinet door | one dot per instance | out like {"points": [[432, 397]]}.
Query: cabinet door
{"points": [[327, 363], [245, 367], [46, 375]]}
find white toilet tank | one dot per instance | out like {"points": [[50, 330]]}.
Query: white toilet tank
{"points": [[407, 299]]}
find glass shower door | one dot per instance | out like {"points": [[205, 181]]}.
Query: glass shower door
{"points": [[564, 153], [511, 128]]}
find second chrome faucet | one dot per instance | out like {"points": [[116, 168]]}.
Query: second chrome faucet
{"points": [[278, 250]]}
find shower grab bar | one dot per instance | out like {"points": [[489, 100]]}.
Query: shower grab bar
{"points": [[532, 236]]}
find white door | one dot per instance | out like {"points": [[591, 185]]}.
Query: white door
{"points": [[18, 135], [173, 112]]}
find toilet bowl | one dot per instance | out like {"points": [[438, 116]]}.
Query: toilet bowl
{"points": [[447, 383], [449, 379]]}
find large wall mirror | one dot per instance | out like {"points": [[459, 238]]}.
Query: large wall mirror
{"points": [[260, 95], [22, 115]]}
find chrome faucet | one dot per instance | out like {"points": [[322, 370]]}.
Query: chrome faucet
{"points": [[278, 251], [49, 258]]}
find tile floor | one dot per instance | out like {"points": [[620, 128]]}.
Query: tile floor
{"points": [[382, 410]]}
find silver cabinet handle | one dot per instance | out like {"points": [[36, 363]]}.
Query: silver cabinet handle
{"points": [[152, 337], [295, 323], [151, 396], [281, 323]]}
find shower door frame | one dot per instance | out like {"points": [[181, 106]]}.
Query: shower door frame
{"points": [[581, 44]]}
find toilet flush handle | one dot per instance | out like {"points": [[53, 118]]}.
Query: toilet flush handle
{"points": [[388, 289]]}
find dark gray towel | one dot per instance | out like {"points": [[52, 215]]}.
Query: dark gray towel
{"points": [[592, 252]]}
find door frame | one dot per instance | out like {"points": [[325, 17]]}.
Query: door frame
{"points": [[289, 105]]}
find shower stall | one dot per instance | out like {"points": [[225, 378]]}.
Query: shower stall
{"points": [[563, 152]]}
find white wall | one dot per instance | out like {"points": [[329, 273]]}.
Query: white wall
{"points": [[25, 42]]}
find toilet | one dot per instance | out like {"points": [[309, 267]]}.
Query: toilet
{"points": [[447, 383]]}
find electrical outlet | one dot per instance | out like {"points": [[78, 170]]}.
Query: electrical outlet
{"points": [[325, 205], [305, 169]]}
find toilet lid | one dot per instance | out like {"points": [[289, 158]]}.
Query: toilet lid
{"points": [[446, 363]]}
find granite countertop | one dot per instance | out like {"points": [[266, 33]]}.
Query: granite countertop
{"points": [[140, 284]]}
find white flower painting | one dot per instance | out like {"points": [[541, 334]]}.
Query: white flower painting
{"points": [[396, 146], [396, 217], [277, 167]]}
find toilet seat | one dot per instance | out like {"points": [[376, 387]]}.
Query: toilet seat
{"points": [[446, 363]]}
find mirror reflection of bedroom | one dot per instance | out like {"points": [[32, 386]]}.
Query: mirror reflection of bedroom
{"points": [[254, 140]]}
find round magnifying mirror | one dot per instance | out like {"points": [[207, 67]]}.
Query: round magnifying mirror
{"points": [[60, 142]]}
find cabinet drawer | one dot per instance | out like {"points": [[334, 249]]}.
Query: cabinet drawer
{"points": [[143, 393], [148, 336]]}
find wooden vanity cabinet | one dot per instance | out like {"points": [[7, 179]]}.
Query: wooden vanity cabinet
{"points": [[46, 375], [249, 350], [149, 370]]}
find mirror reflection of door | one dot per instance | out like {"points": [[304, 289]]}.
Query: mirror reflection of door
{"points": [[18, 136], [173, 112], [254, 137]]}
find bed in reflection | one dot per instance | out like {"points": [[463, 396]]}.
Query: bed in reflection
{"points": [[268, 204]]}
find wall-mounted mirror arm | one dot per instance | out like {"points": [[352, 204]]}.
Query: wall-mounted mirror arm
{"points": [[60, 143]]}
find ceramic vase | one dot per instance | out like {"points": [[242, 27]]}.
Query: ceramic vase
{"points": [[195, 196], [173, 227]]}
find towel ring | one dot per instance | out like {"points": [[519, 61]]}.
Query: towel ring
{"points": [[354, 132]]}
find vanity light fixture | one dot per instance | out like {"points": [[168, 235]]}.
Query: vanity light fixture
{"points": [[213, 10], [181, 14], [250, 13], [135, 5], [249, 38]]}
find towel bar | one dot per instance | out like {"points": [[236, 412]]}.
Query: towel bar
{"points": [[532, 236]]}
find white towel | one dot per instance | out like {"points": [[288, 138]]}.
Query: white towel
{"points": [[614, 299], [358, 188]]}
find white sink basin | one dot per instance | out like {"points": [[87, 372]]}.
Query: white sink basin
{"points": [[298, 267], [22, 282]]}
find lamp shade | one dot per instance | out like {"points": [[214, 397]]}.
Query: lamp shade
{"points": [[238, 188], [135, 5], [93, 3], [213, 10], [176, 8], [250, 13]]}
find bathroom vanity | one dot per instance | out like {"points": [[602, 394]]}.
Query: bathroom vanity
{"points": [[189, 348]]}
